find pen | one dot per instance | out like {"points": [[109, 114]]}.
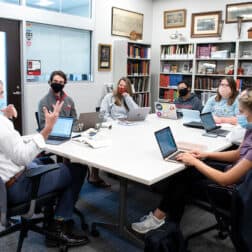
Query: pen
{"points": [[76, 136]]}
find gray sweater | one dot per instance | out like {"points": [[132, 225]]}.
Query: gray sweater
{"points": [[112, 111]]}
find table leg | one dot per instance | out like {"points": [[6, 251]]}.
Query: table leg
{"points": [[120, 227]]}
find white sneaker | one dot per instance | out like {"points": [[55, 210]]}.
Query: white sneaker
{"points": [[147, 223]]}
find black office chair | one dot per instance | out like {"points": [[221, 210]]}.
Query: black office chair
{"points": [[27, 209], [232, 213]]}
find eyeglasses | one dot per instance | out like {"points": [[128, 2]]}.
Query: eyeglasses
{"points": [[1, 92], [224, 85]]}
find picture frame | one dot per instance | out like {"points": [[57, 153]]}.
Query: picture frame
{"points": [[206, 24], [125, 22], [235, 10], [174, 18], [104, 57]]}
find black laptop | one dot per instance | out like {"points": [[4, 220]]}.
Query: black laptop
{"points": [[210, 125], [61, 131]]}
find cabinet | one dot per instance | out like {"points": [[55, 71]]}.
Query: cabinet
{"points": [[132, 59]]}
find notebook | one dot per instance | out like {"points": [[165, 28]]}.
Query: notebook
{"points": [[191, 118], [138, 114], [167, 144], [210, 125], [88, 120], [61, 131], [166, 110]]}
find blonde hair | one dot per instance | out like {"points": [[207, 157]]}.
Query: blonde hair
{"points": [[118, 96], [245, 99]]}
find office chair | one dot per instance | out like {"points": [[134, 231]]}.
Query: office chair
{"points": [[232, 213], [26, 210]]}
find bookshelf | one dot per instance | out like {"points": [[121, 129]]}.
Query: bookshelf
{"points": [[132, 59]]}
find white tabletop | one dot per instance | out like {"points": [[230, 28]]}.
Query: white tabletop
{"points": [[134, 152]]}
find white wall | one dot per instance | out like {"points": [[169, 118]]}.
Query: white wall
{"points": [[161, 35]]}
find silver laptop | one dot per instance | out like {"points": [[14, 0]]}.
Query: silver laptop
{"points": [[88, 120], [191, 118], [166, 110], [61, 131], [138, 114], [167, 144]]}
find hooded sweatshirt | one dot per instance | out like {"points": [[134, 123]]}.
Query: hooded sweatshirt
{"points": [[193, 102]]}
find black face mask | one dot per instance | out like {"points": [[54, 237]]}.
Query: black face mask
{"points": [[183, 92], [56, 87]]}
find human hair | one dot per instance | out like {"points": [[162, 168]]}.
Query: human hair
{"points": [[60, 73], [188, 85], [118, 97], [245, 99], [234, 92]]}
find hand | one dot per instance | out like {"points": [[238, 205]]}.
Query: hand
{"points": [[125, 94], [198, 154], [187, 158], [217, 119], [10, 111]]}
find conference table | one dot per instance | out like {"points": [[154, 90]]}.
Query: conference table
{"points": [[133, 155]]}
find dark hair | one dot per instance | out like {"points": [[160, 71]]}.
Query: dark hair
{"points": [[232, 85], [60, 73], [188, 85]]}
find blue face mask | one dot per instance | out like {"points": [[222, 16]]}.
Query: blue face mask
{"points": [[243, 121]]}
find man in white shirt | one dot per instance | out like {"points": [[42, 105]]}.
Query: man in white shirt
{"points": [[16, 154]]}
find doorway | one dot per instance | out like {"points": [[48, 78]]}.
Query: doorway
{"points": [[10, 73]]}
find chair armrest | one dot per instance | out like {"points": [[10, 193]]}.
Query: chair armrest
{"points": [[40, 170]]}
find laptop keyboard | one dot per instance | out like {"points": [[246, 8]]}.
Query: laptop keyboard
{"points": [[173, 156]]}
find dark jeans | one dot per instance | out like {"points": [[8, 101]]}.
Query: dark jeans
{"points": [[176, 189], [68, 179]]}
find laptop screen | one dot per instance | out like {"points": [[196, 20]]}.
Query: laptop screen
{"points": [[62, 127], [208, 121], [166, 141]]}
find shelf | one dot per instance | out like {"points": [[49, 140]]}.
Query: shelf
{"points": [[244, 76], [138, 75], [205, 90], [212, 59], [214, 75], [181, 73], [177, 59], [164, 100], [249, 59], [132, 58], [169, 87], [141, 92]]}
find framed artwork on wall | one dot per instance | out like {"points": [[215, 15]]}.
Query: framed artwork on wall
{"points": [[174, 18], [126, 22], [104, 57], [206, 24], [243, 10]]}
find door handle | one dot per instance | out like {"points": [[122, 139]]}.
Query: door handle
{"points": [[16, 93]]}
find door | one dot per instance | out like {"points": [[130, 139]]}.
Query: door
{"points": [[10, 30]]}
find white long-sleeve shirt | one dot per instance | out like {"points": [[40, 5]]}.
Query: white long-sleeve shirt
{"points": [[15, 153]]}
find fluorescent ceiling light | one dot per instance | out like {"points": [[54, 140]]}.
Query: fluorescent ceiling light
{"points": [[45, 3]]}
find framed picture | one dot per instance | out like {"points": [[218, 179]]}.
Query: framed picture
{"points": [[104, 57], [206, 24], [174, 18], [126, 22], [238, 10]]}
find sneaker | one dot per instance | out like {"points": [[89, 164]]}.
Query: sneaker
{"points": [[147, 223]]}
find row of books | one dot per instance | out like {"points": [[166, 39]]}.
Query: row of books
{"points": [[206, 83], [209, 51], [138, 52], [179, 51], [243, 83], [170, 80], [142, 99], [168, 94], [140, 84], [136, 68]]}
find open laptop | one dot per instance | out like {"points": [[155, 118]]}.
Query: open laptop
{"points": [[167, 144], [191, 118], [88, 120], [166, 110], [61, 131], [210, 125], [138, 114]]}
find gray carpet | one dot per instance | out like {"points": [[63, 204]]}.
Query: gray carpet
{"points": [[101, 205]]}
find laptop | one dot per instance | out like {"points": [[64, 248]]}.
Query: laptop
{"points": [[210, 125], [167, 144], [191, 118], [166, 110], [61, 131], [88, 120], [138, 114]]}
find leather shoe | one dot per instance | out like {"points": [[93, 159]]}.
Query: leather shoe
{"points": [[64, 233]]}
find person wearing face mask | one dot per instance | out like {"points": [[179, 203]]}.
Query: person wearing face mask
{"points": [[224, 105], [56, 92], [186, 99], [226, 168], [116, 105]]}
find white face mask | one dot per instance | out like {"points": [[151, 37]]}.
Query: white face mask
{"points": [[225, 92]]}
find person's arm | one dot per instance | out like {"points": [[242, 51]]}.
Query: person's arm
{"points": [[106, 106], [10, 111], [231, 120], [225, 156], [41, 114], [208, 106], [129, 101]]}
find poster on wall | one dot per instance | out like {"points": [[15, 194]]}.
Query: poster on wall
{"points": [[33, 67], [3, 70]]}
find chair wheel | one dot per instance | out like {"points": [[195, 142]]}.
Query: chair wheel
{"points": [[84, 227], [95, 233]]}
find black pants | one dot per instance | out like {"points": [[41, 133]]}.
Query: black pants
{"points": [[176, 189]]}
